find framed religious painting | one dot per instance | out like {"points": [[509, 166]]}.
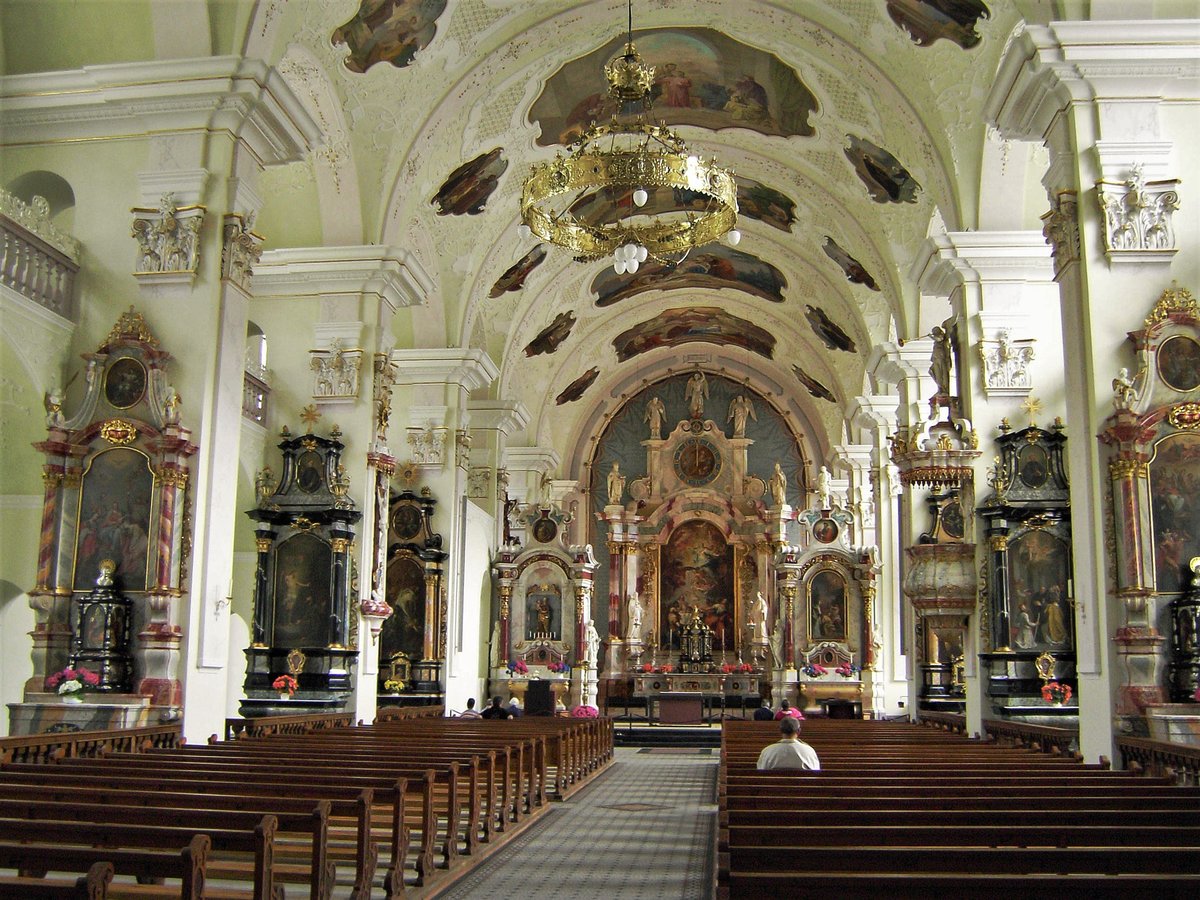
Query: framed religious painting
{"points": [[1178, 362], [827, 606], [116, 508], [301, 614], [1175, 508], [696, 577], [125, 383], [404, 630]]}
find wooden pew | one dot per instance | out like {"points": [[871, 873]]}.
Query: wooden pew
{"points": [[92, 886], [188, 865]]}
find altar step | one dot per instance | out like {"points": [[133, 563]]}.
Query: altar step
{"points": [[666, 736]]}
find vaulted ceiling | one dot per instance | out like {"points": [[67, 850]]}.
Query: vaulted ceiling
{"points": [[854, 127]]}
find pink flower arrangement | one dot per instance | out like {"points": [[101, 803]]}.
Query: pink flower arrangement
{"points": [[71, 680], [847, 670], [1196, 696], [647, 668], [745, 668], [585, 712], [517, 667], [727, 668], [558, 667], [815, 670]]}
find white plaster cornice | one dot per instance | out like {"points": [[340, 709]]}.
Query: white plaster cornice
{"points": [[390, 273], [498, 415], [542, 460], [876, 411], [893, 363], [469, 369], [946, 261], [1046, 67], [247, 97]]}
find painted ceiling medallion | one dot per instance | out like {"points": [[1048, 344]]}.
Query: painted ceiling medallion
{"points": [[830, 333], [118, 431], [578, 387], [390, 31], [674, 327], [468, 188], [928, 20], [855, 272], [886, 180], [552, 335], [814, 387], [715, 267], [514, 277]]}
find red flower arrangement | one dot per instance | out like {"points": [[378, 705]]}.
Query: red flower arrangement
{"points": [[285, 684], [585, 712], [517, 667], [558, 667], [815, 670], [1054, 692], [745, 668], [666, 669], [72, 681], [647, 668], [847, 670]]}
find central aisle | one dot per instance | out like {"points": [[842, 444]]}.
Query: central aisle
{"points": [[643, 829]]}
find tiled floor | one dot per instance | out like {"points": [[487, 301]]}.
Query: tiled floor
{"points": [[643, 830]]}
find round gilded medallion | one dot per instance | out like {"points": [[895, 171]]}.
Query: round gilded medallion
{"points": [[406, 522], [696, 462], [545, 530]]}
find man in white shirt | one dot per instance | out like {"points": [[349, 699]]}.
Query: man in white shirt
{"points": [[789, 752]]}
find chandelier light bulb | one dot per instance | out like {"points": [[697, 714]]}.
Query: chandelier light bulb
{"points": [[735, 237], [524, 232], [619, 267], [640, 197], [642, 253], [632, 265]]}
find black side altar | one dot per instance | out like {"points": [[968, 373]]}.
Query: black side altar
{"points": [[305, 527]]}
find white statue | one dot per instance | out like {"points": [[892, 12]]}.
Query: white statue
{"points": [[777, 644], [633, 626], [655, 413], [941, 360], [695, 394], [1124, 392], [741, 408], [616, 484], [54, 402], [593, 645], [170, 410], [494, 656], [778, 485], [758, 619], [824, 488]]}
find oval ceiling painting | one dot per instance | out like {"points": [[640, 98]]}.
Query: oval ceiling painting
{"points": [[887, 181], [717, 267], [467, 189], [390, 31], [608, 206], [702, 78], [683, 326], [927, 20]]}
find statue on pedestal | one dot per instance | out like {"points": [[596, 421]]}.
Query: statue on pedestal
{"points": [[592, 637], [777, 644], [741, 408], [655, 413], [778, 485], [633, 627], [695, 394], [758, 619], [616, 485], [824, 488]]}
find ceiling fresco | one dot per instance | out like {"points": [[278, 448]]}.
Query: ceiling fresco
{"points": [[830, 333], [855, 272], [702, 78], [674, 327], [514, 277], [814, 387], [715, 266], [578, 387], [468, 188], [885, 178], [929, 20], [552, 335], [390, 31]]}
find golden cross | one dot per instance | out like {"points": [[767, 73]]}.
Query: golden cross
{"points": [[309, 415], [1032, 407]]}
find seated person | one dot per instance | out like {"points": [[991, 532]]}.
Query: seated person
{"points": [[514, 708], [495, 711], [786, 709], [764, 712], [470, 712], [789, 752]]}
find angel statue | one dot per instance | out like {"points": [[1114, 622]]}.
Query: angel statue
{"points": [[1124, 392], [634, 626], [655, 413], [54, 402], [824, 488]]}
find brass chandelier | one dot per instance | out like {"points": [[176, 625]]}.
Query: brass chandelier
{"points": [[695, 201]]}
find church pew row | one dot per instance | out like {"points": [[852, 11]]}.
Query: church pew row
{"points": [[187, 866], [890, 814], [256, 846], [91, 886], [433, 815]]}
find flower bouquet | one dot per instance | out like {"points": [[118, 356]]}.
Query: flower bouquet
{"points": [[558, 668], [517, 667], [848, 670], [585, 712], [1056, 693], [729, 668], [745, 668], [647, 668], [71, 683], [666, 669], [393, 685], [815, 670], [286, 685]]}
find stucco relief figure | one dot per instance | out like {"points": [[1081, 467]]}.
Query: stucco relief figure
{"points": [[1124, 391], [778, 485], [494, 656], [616, 484], [777, 644], [633, 628], [695, 394], [758, 618], [655, 413], [940, 361], [741, 408], [54, 402], [824, 488], [592, 638]]}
